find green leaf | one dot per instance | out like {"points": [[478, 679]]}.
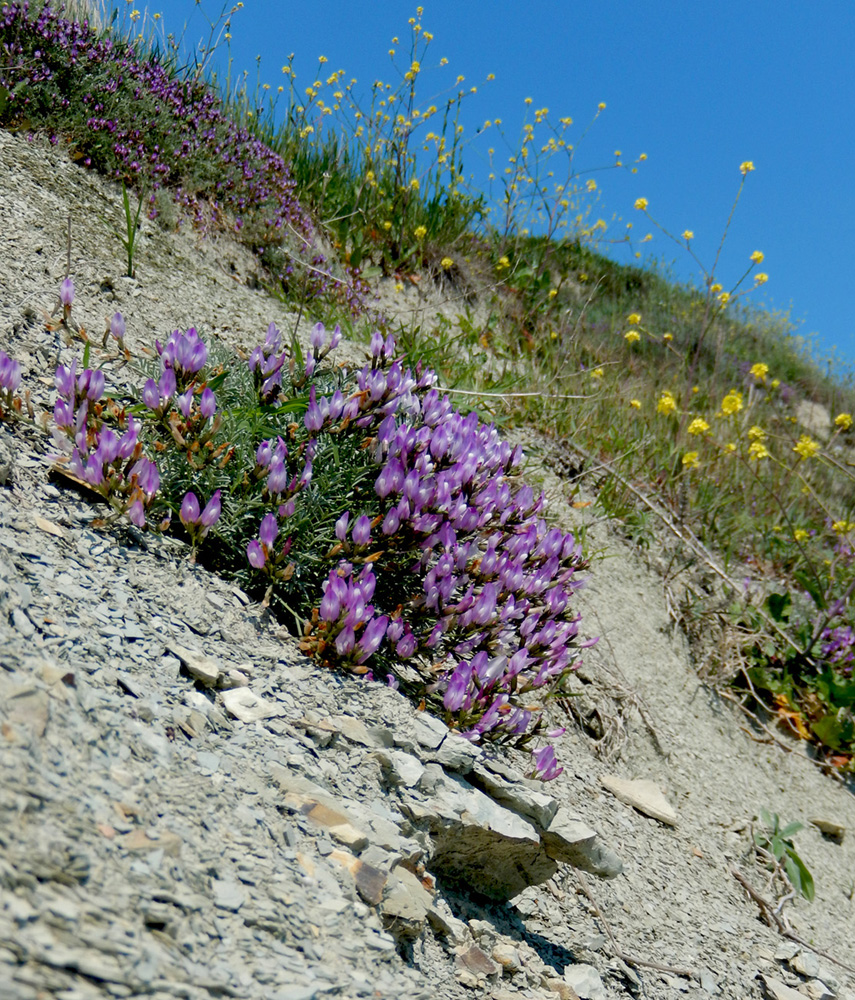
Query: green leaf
{"points": [[811, 585], [803, 880], [789, 830], [779, 606], [86, 352], [829, 729]]}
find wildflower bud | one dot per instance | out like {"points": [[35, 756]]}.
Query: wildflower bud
{"points": [[345, 641], [63, 413], [371, 638], [341, 526], [185, 403], [136, 514], [361, 533], [211, 514], [406, 647], [335, 340], [256, 555], [269, 530], [376, 345], [117, 326], [168, 384], [189, 510], [66, 293], [10, 373], [317, 336], [313, 419], [151, 394], [207, 403], [310, 365]]}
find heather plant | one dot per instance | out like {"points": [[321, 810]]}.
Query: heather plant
{"points": [[392, 530]]}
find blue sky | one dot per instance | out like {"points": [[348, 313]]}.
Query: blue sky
{"points": [[698, 87]]}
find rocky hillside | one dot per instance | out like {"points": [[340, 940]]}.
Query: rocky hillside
{"points": [[192, 809]]}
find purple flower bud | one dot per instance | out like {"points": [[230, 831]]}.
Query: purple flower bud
{"points": [[269, 530], [458, 686], [389, 346], [287, 509], [330, 609], [94, 474], [317, 336], [136, 513], [129, 439], [391, 522], [335, 340], [345, 641], [63, 413], [371, 638], [361, 533], [277, 477], [545, 765], [310, 365], [66, 292], [376, 345], [168, 384], [189, 510], [185, 403], [255, 555], [211, 514], [108, 446], [341, 526], [117, 326], [313, 419], [207, 403], [147, 476], [151, 394], [263, 454], [407, 646], [10, 373]]}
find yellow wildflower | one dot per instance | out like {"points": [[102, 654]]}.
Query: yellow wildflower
{"points": [[667, 404], [730, 447], [800, 535], [387, 225], [756, 433], [446, 263], [688, 235], [667, 337], [776, 383], [758, 450], [757, 257], [502, 263], [843, 421], [715, 288], [641, 204], [597, 373], [634, 319], [635, 404], [761, 278], [698, 426], [691, 460], [806, 447], [631, 336], [553, 292], [841, 527], [760, 371], [420, 232], [746, 167], [732, 403]]}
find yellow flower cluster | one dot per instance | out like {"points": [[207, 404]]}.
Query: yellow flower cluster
{"points": [[756, 433], [632, 336], [420, 232], [841, 527], [806, 447], [843, 421], [760, 371], [691, 460], [758, 450], [667, 404], [698, 426], [446, 263], [732, 403], [800, 535], [641, 204]]}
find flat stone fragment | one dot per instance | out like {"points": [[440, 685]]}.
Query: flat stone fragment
{"points": [[477, 961], [246, 705], [828, 827], [201, 667], [405, 904], [370, 881], [400, 768], [585, 980], [572, 841], [644, 795], [776, 990], [228, 895]]}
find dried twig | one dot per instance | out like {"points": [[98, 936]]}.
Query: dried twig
{"points": [[778, 922], [616, 948]]}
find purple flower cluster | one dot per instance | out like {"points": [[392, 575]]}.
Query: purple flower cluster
{"points": [[133, 119], [10, 379], [838, 648], [111, 463], [482, 585], [197, 523]]}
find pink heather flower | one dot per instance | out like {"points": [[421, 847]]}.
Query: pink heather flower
{"points": [[256, 555], [189, 510], [66, 292]]}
